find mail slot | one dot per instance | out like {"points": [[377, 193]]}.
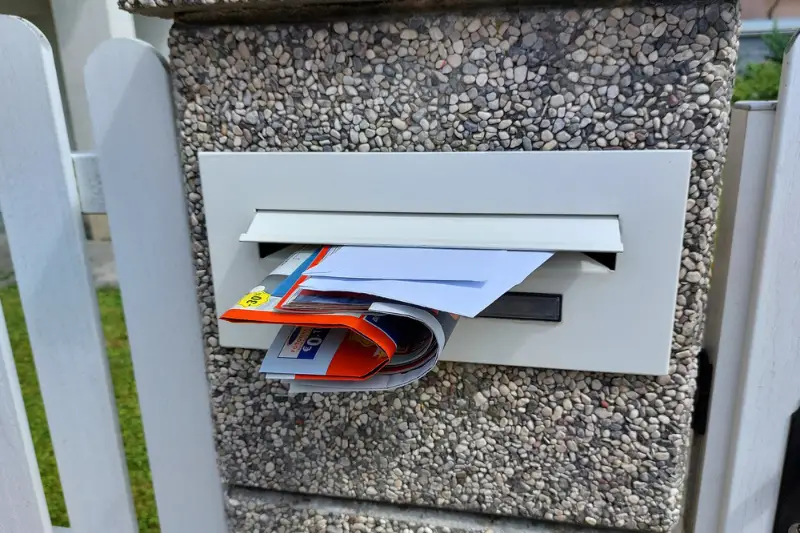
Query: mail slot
{"points": [[615, 220]]}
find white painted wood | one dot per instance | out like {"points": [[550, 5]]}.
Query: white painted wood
{"points": [[617, 322], [131, 110], [23, 508], [550, 232], [82, 25], [739, 225], [39, 202], [90, 188], [769, 391]]}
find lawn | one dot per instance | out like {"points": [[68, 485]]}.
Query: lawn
{"points": [[127, 403]]}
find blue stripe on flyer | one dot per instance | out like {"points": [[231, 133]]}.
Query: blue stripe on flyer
{"points": [[291, 279]]}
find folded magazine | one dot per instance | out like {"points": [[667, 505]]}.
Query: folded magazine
{"points": [[339, 342]]}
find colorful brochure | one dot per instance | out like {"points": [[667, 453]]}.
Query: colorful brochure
{"points": [[341, 341], [347, 329]]}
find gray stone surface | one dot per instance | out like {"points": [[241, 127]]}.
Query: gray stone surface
{"points": [[596, 449], [253, 517], [210, 10], [270, 512]]}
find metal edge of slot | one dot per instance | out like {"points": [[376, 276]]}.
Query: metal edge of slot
{"points": [[607, 236]]}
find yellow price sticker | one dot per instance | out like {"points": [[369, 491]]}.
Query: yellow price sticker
{"points": [[254, 299]]}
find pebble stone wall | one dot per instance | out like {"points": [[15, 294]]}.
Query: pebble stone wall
{"points": [[253, 516], [254, 512], [592, 449]]}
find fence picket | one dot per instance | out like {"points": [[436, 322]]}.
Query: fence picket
{"points": [[769, 391], [136, 144], [739, 226], [40, 206], [23, 508]]}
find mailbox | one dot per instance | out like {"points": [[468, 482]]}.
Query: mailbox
{"points": [[615, 220]]}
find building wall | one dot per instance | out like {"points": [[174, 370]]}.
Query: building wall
{"points": [[766, 9], [591, 449]]}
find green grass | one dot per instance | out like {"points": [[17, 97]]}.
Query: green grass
{"points": [[127, 403]]}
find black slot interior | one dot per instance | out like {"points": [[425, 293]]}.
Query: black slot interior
{"points": [[607, 259], [269, 248], [525, 306]]}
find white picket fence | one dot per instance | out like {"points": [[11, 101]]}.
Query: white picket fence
{"points": [[137, 159], [135, 175]]}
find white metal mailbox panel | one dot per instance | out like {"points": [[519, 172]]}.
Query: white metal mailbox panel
{"points": [[627, 202]]}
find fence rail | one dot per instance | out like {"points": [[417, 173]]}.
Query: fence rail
{"points": [[90, 186]]}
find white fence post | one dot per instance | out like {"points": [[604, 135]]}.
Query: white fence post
{"points": [[23, 508], [742, 201], [136, 144], [40, 205], [769, 390]]}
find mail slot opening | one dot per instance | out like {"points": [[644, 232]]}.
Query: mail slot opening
{"points": [[528, 301], [604, 259], [539, 307], [265, 249]]}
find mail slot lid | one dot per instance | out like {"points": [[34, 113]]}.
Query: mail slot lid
{"points": [[504, 232]]}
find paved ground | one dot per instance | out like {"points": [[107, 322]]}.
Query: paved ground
{"points": [[100, 256]]}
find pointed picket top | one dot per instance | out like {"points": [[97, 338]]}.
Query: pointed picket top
{"points": [[22, 503], [136, 145]]}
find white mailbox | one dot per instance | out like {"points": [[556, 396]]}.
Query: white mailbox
{"points": [[604, 302]]}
